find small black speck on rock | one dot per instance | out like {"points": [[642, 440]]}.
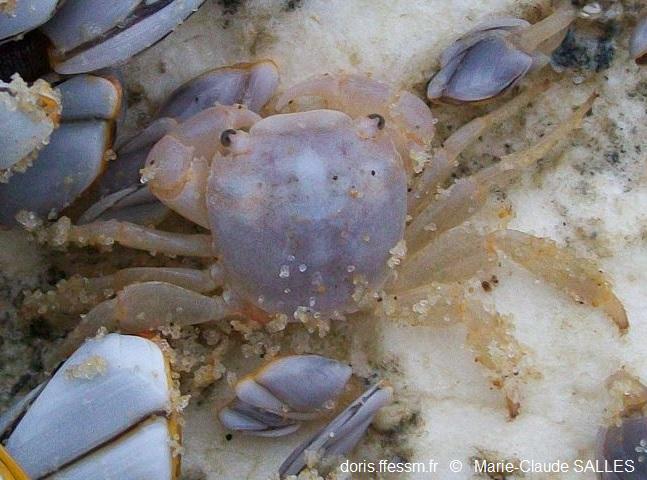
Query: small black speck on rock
{"points": [[612, 157], [230, 7], [293, 4], [228, 437]]}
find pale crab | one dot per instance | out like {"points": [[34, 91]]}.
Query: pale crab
{"points": [[311, 212]]}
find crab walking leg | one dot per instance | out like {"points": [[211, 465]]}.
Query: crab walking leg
{"points": [[178, 166], [579, 277], [454, 205], [489, 335], [443, 162], [142, 307], [78, 294], [456, 255], [424, 304], [408, 118], [106, 233]]}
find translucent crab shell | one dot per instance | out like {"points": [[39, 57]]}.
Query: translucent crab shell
{"points": [[305, 209], [102, 415]]}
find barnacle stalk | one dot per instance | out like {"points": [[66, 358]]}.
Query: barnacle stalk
{"points": [[531, 38]]}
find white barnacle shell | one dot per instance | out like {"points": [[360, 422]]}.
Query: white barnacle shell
{"points": [[638, 43], [481, 65], [341, 435], [102, 415], [95, 34], [71, 158], [242, 417], [273, 400], [30, 115], [25, 16]]}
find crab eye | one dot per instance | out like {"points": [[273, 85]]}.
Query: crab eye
{"points": [[225, 137], [380, 120]]}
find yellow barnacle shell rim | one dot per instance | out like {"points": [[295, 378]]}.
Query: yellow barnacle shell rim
{"points": [[174, 425], [9, 468]]}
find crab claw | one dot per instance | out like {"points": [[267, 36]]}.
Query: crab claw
{"points": [[341, 435], [95, 34], [271, 401], [102, 415], [75, 154]]}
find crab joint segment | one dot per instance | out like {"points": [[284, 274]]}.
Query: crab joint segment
{"points": [[443, 163], [578, 277], [78, 294], [103, 414], [106, 233], [145, 306], [467, 195]]}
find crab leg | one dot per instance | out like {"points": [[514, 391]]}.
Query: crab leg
{"points": [[467, 195], [141, 307], [444, 160], [106, 233], [578, 277], [497, 349], [489, 335], [78, 294], [454, 256]]}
